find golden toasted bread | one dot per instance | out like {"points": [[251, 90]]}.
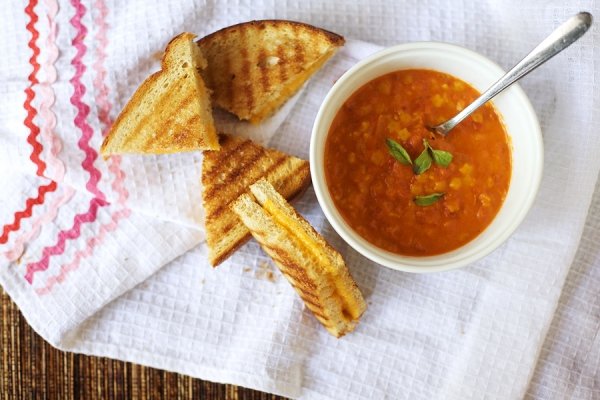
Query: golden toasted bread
{"points": [[254, 67], [171, 111], [227, 173], [311, 265]]}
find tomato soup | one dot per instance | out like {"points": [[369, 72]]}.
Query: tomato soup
{"points": [[404, 188]]}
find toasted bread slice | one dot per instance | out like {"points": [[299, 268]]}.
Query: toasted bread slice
{"points": [[171, 111], [227, 173], [311, 265], [254, 67]]}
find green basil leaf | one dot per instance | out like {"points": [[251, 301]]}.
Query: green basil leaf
{"points": [[423, 162], [398, 152], [428, 200], [442, 157]]}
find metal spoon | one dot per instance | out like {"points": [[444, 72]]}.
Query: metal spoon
{"points": [[557, 41]]}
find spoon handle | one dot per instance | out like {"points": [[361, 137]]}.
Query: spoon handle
{"points": [[557, 41]]}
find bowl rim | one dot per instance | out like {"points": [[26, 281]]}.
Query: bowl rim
{"points": [[400, 262]]}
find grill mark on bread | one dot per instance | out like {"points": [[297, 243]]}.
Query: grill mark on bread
{"points": [[232, 224], [308, 300], [238, 173], [230, 179], [221, 156], [294, 272], [326, 323], [219, 210], [298, 276], [282, 63], [244, 152], [165, 98], [299, 55], [316, 311], [303, 284], [160, 105], [246, 79], [192, 120], [218, 258], [188, 134], [307, 295], [265, 76], [314, 305], [282, 185], [183, 104]]}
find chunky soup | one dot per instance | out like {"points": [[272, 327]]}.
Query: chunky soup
{"points": [[403, 188]]}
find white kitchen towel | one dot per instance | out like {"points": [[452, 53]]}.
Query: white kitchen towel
{"points": [[107, 258]]}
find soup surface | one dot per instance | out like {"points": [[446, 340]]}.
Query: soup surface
{"points": [[403, 188]]}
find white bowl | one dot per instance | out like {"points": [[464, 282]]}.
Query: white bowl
{"points": [[517, 114]]}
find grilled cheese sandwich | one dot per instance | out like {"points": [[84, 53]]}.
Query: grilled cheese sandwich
{"points": [[254, 67], [311, 265], [171, 110]]}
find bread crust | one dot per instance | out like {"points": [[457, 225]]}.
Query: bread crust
{"points": [[334, 38]]}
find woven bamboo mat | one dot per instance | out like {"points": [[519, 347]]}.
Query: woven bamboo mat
{"points": [[30, 368]]}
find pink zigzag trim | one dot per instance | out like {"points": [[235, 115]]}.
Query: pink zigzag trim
{"points": [[80, 255], [123, 213], [63, 236], [47, 94], [47, 99], [117, 185], [115, 161], [83, 109], [34, 130], [47, 217], [90, 154]]}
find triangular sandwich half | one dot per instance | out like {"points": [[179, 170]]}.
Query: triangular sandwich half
{"points": [[314, 268], [254, 67], [171, 111], [227, 173]]}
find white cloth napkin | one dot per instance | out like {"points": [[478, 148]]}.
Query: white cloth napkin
{"points": [[113, 262]]}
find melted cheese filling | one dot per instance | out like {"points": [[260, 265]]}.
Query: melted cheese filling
{"points": [[312, 249]]}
